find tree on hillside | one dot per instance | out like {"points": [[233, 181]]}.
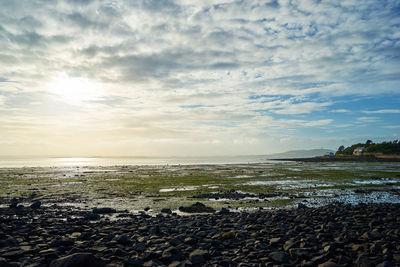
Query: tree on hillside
{"points": [[385, 148], [389, 148]]}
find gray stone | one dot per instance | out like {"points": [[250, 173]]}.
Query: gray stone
{"points": [[124, 240], [317, 260], [198, 256], [279, 256], [224, 211], [140, 247], [78, 260], [167, 211], [152, 263], [134, 262], [180, 264], [289, 244], [275, 241], [103, 210], [197, 207], [300, 253], [92, 216], [172, 254], [190, 241], [61, 243], [385, 264], [36, 204], [375, 248], [363, 261], [329, 264], [4, 263]]}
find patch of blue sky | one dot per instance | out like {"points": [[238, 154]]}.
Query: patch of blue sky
{"points": [[390, 119], [376, 102], [373, 113], [356, 103], [3, 80]]}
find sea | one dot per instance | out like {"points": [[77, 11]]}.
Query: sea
{"points": [[20, 162]]}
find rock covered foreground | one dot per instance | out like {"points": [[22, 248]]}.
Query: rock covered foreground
{"points": [[334, 235]]}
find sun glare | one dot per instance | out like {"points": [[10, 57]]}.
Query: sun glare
{"points": [[73, 89]]}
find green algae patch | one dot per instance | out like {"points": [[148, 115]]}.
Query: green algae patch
{"points": [[140, 185]]}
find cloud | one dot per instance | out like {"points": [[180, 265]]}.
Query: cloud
{"points": [[368, 119], [2, 100], [382, 111], [182, 70], [301, 108], [340, 111], [319, 122], [392, 126]]}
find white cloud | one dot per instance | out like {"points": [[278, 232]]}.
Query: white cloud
{"points": [[392, 127], [368, 119], [340, 111], [301, 108], [185, 70], [2, 100], [382, 111], [319, 122]]}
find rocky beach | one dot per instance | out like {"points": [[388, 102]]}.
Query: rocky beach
{"points": [[266, 214], [177, 133], [332, 235]]}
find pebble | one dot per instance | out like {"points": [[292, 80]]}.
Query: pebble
{"points": [[280, 257], [78, 259], [329, 236], [36, 204], [198, 256], [167, 211], [103, 210]]}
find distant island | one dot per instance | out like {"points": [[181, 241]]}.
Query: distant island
{"points": [[368, 152]]}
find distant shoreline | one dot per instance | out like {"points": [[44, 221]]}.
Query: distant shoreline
{"points": [[343, 159]]}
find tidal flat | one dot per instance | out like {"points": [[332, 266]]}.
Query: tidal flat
{"points": [[266, 214], [235, 187]]}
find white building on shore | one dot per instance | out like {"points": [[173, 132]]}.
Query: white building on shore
{"points": [[359, 151]]}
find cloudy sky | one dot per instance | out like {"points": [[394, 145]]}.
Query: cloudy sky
{"points": [[164, 77]]}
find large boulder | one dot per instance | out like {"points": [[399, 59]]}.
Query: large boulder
{"points": [[92, 216], [197, 208], [36, 204], [103, 210]]}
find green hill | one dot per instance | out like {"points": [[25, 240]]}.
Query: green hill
{"points": [[386, 148]]}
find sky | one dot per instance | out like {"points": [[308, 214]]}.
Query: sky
{"points": [[196, 78]]}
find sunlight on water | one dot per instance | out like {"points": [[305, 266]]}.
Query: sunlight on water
{"points": [[15, 162], [74, 161]]}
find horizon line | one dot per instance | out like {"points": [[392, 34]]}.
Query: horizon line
{"points": [[172, 156]]}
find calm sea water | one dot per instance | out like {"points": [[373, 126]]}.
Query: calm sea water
{"points": [[15, 162]]}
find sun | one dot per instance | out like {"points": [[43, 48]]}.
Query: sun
{"points": [[73, 89]]}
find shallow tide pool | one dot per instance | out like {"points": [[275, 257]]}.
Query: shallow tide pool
{"points": [[159, 186]]}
